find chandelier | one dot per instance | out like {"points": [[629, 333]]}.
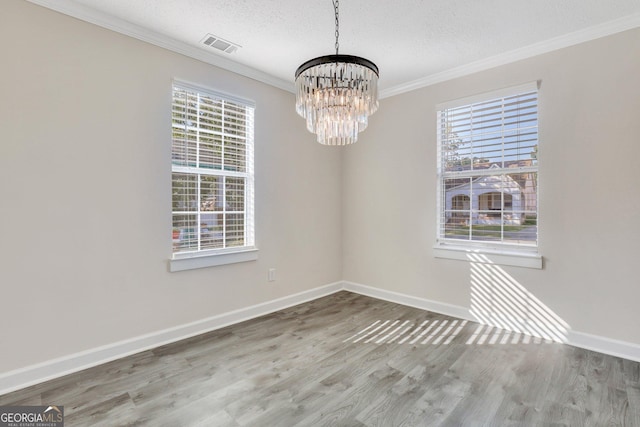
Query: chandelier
{"points": [[336, 94]]}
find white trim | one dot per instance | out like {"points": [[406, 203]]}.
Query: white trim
{"points": [[215, 93], [121, 26], [411, 301], [213, 257], [515, 259], [487, 96], [212, 172], [623, 349], [598, 31], [48, 370], [504, 253], [45, 371], [476, 173], [101, 19], [212, 260]]}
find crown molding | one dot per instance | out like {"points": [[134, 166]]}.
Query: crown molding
{"points": [[556, 43], [75, 10]]}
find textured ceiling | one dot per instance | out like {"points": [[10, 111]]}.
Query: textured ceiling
{"points": [[409, 40]]}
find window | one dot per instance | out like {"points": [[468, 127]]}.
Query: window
{"points": [[211, 173], [488, 171]]}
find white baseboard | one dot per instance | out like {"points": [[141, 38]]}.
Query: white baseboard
{"points": [[34, 374], [623, 349], [411, 301]]}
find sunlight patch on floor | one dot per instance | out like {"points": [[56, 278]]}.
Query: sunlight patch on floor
{"points": [[440, 332]]}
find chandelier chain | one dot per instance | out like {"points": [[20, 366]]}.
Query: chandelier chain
{"points": [[335, 7]]}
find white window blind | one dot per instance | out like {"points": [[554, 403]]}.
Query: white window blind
{"points": [[488, 170], [212, 172]]}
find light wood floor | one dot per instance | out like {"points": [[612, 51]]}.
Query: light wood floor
{"points": [[335, 362]]}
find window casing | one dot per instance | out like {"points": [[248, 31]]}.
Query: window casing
{"points": [[211, 173], [488, 171]]}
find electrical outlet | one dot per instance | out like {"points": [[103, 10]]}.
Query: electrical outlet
{"points": [[271, 276]]}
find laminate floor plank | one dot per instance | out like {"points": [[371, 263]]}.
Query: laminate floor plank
{"points": [[532, 388], [606, 390], [488, 372], [350, 360], [303, 389], [350, 395], [429, 365], [632, 417]]}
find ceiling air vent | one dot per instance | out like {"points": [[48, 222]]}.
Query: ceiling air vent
{"points": [[217, 43]]}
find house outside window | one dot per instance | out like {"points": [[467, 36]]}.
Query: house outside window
{"points": [[488, 171], [211, 173]]}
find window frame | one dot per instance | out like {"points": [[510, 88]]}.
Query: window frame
{"points": [[522, 255], [208, 257]]}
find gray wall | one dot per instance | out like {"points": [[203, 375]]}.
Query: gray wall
{"points": [[589, 185], [86, 192]]}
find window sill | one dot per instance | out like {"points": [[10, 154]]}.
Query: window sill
{"points": [[489, 256], [212, 260]]}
